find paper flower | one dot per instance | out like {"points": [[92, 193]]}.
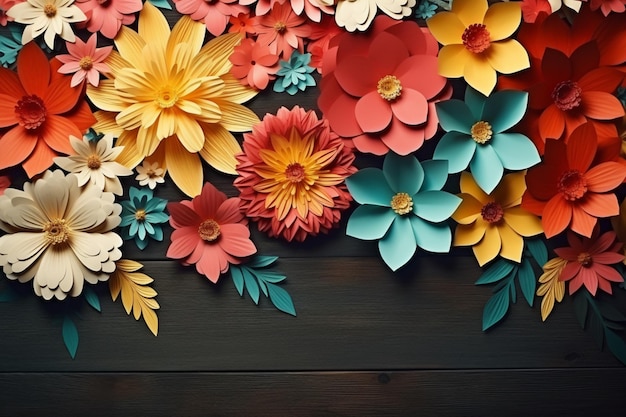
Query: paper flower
{"points": [[319, 40], [209, 232], [531, 9], [380, 90], [282, 30], [10, 45], [142, 217], [403, 207], [95, 162], [242, 24], [214, 14], [40, 110], [556, 5], [294, 74], [50, 17], [313, 9], [85, 61], [174, 99], [59, 235], [5, 183], [475, 42], [569, 189], [253, 64], [476, 136], [588, 261], [608, 6], [494, 224], [425, 9], [359, 14], [150, 174], [108, 16], [291, 175], [4, 6]]}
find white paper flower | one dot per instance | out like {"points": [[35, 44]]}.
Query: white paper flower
{"points": [[95, 162], [359, 14], [150, 174], [50, 16], [59, 235], [555, 5]]}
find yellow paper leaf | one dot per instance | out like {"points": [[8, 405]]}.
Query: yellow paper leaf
{"points": [[136, 295], [551, 289]]}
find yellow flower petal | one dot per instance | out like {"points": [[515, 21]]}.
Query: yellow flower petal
{"points": [[189, 133], [468, 234], [130, 156], [446, 28], [507, 56], [479, 73], [523, 222], [116, 63], [184, 168], [216, 52], [489, 247], [220, 148], [469, 186], [551, 288], [105, 96], [510, 190], [470, 11], [452, 60], [502, 20], [188, 31], [236, 92], [469, 209], [147, 139], [130, 45], [237, 118], [106, 123], [512, 243], [153, 26]]}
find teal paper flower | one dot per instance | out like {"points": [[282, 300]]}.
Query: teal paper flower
{"points": [[161, 4], [10, 46], [425, 10], [142, 216], [476, 136], [294, 74], [402, 207]]}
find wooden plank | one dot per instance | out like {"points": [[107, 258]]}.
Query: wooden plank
{"points": [[353, 313], [574, 392]]}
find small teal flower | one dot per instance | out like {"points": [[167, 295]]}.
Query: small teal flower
{"points": [[93, 136], [142, 216], [161, 4], [425, 10], [294, 74], [10, 46], [475, 136], [403, 207]]}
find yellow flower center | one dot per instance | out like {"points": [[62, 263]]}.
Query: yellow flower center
{"points": [[389, 87], [476, 38], [402, 203], [85, 63], [56, 231], [140, 215], [280, 27], [295, 172], [585, 259], [481, 132], [209, 230], [166, 98], [50, 10], [94, 162], [572, 185], [492, 212]]}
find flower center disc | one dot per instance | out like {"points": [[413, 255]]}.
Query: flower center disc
{"points": [[140, 215], [166, 98], [280, 27], [572, 185], [85, 63], [50, 10], [402, 203], [31, 112], [492, 212], [567, 95], [585, 259], [294, 172], [481, 132], [389, 87], [56, 231], [476, 38], [209, 230], [93, 162]]}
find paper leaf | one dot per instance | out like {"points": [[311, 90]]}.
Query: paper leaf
{"points": [[70, 336], [496, 308], [538, 250], [92, 299], [498, 270], [261, 261], [7, 294], [137, 296], [580, 309], [237, 277], [616, 345], [251, 285], [527, 282], [281, 299], [551, 288]]}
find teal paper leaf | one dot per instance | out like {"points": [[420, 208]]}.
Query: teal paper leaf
{"points": [[527, 281], [70, 336], [7, 294], [616, 345], [237, 276], [496, 308], [496, 271], [538, 250], [251, 285], [161, 4], [261, 261], [281, 299], [92, 298]]}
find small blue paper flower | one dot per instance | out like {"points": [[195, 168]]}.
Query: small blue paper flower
{"points": [[403, 207], [142, 216], [294, 74], [10, 46], [425, 10], [476, 136], [161, 4]]}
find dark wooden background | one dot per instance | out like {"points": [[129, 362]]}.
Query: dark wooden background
{"points": [[366, 341]]}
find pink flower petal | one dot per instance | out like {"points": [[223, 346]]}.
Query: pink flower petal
{"points": [[373, 113], [410, 108]]}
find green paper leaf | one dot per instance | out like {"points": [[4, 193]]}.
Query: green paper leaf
{"points": [[616, 345], [70, 336], [7, 294], [281, 299], [251, 285], [261, 261], [262, 284], [270, 276], [580, 309], [596, 328], [496, 308], [237, 276], [498, 270], [92, 298], [527, 281], [609, 312], [538, 250]]}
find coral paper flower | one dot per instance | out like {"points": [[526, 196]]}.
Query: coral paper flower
{"points": [[568, 189], [210, 232], [475, 42], [4, 6], [608, 6], [95, 162], [41, 111], [50, 17], [174, 99], [494, 224], [215, 14], [253, 64], [291, 175], [476, 136], [108, 16], [403, 207], [85, 61], [150, 174], [59, 235], [588, 261], [282, 30], [142, 217], [531, 9]]}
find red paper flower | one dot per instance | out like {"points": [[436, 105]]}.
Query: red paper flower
{"points": [[215, 14], [210, 232], [608, 6], [291, 175], [568, 190], [40, 110], [242, 23], [253, 64], [319, 40], [282, 30], [108, 16], [588, 261], [532, 8]]}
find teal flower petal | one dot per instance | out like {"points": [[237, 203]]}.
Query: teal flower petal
{"points": [[157, 217], [435, 206], [455, 116], [141, 230], [486, 168], [141, 244], [504, 109], [158, 233], [398, 245], [369, 186], [370, 222], [431, 237], [404, 173], [127, 220], [149, 228], [475, 101], [435, 174], [516, 151], [457, 148], [134, 227]]}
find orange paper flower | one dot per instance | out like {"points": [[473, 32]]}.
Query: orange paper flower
{"points": [[282, 30]]}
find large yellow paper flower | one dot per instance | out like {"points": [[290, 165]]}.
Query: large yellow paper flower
{"points": [[475, 45], [494, 224], [171, 98]]}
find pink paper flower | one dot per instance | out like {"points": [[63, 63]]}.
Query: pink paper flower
{"points": [[282, 30], [608, 6], [108, 16], [85, 61], [4, 6], [210, 232], [215, 14], [253, 64]]}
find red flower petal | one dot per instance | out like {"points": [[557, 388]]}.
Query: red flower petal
{"points": [[601, 79], [356, 76], [420, 73], [411, 107], [184, 241], [608, 258], [581, 147], [208, 202], [386, 53], [342, 118], [373, 113], [182, 216], [557, 215], [590, 279], [370, 144], [599, 205], [229, 212], [403, 139], [607, 272], [570, 270], [235, 240], [556, 67]]}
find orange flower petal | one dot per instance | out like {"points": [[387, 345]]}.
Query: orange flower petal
{"points": [[551, 123], [605, 177], [10, 84], [601, 79], [8, 117], [582, 223], [581, 147], [40, 159], [56, 133], [60, 97], [601, 105], [16, 146], [599, 205], [82, 117], [33, 69], [557, 215]]}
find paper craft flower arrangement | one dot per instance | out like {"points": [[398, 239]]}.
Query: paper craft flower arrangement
{"points": [[497, 126]]}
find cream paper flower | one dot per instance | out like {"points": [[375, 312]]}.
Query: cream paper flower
{"points": [[50, 17], [59, 235], [359, 14], [150, 174], [95, 162]]}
